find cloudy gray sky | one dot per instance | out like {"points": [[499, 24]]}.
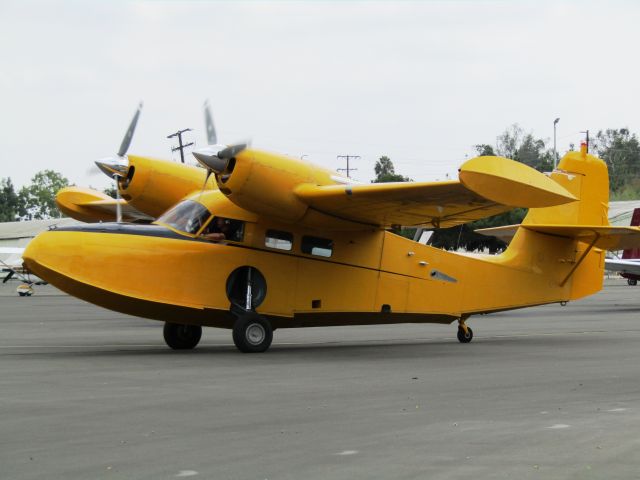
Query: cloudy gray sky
{"points": [[421, 82]]}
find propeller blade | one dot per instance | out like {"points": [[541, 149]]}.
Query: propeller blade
{"points": [[126, 141], [212, 138], [8, 277]]}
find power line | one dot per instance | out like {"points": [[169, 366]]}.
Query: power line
{"points": [[180, 146], [348, 169]]}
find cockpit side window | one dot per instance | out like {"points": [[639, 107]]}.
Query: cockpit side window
{"points": [[187, 216], [221, 228]]}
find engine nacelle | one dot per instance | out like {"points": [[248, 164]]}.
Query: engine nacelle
{"points": [[264, 183], [153, 186]]}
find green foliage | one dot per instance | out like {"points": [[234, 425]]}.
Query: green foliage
{"points": [[9, 202], [621, 151], [111, 191], [463, 236], [37, 200], [385, 172], [517, 145], [484, 150]]}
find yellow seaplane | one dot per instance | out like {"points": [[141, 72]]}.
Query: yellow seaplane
{"points": [[256, 241]]}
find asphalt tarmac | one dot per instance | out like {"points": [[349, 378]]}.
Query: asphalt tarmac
{"points": [[544, 393]]}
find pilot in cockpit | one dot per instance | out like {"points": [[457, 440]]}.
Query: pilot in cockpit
{"points": [[221, 228]]}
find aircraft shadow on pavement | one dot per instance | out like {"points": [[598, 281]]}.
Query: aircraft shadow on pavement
{"points": [[440, 349]]}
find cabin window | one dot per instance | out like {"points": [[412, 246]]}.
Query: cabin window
{"points": [[278, 239], [323, 247], [187, 216], [221, 228]]}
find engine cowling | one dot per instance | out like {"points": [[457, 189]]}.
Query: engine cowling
{"points": [[264, 183], [153, 186]]}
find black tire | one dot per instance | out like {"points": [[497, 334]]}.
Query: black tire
{"points": [[182, 337], [252, 333], [632, 281], [465, 338], [22, 294]]}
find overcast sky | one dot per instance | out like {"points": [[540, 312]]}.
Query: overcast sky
{"points": [[421, 82]]}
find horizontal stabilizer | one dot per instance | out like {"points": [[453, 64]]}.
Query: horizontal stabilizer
{"points": [[605, 237], [504, 233]]}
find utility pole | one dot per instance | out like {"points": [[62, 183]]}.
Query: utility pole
{"points": [[347, 157], [180, 146], [555, 149], [587, 132]]}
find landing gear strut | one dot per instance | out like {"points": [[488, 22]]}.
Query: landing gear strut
{"points": [[182, 337], [465, 334], [247, 288]]}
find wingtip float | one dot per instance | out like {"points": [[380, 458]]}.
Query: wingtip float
{"points": [[512, 183]]}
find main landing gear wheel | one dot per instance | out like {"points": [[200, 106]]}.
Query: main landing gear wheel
{"points": [[182, 337], [632, 281], [465, 337], [252, 333]]}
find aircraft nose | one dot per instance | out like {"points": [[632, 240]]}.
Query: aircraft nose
{"points": [[36, 252]]}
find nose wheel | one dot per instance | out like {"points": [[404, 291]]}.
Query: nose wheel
{"points": [[465, 334], [182, 337]]}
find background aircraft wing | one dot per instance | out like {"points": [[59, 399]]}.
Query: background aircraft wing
{"points": [[434, 204], [11, 250], [622, 266]]}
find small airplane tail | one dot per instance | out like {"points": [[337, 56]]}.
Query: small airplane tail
{"points": [[633, 252], [565, 242]]}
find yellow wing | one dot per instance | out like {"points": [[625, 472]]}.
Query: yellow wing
{"points": [[488, 186], [90, 206], [436, 204]]}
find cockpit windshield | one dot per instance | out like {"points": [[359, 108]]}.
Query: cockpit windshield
{"points": [[187, 216]]}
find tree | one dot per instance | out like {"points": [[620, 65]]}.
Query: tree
{"points": [[484, 150], [9, 205], [38, 200], [464, 236], [385, 172], [621, 151], [111, 191], [514, 143]]}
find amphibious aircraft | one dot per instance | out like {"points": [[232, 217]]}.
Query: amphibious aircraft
{"points": [[266, 241]]}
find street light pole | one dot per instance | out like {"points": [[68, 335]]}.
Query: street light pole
{"points": [[555, 151]]}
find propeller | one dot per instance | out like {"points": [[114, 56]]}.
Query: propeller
{"points": [[118, 167], [215, 158]]}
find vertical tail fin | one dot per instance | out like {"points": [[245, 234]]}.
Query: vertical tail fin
{"points": [[575, 265], [586, 177]]}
